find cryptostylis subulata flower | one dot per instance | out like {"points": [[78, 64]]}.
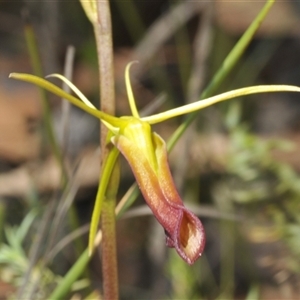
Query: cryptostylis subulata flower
{"points": [[146, 153]]}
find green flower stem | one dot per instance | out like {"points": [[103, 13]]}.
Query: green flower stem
{"points": [[109, 251], [37, 69], [103, 35], [227, 66]]}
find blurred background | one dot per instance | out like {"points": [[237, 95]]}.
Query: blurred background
{"points": [[237, 166]]}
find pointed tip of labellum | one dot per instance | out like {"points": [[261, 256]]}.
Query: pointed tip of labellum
{"points": [[188, 237]]}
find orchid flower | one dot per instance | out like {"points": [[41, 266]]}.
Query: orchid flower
{"points": [[146, 153]]}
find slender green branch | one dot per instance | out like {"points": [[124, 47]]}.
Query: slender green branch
{"points": [[230, 61], [103, 37]]}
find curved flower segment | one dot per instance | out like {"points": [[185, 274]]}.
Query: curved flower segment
{"points": [[146, 153], [183, 229]]}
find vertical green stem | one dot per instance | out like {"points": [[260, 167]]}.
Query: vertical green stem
{"points": [[103, 33], [109, 251]]}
